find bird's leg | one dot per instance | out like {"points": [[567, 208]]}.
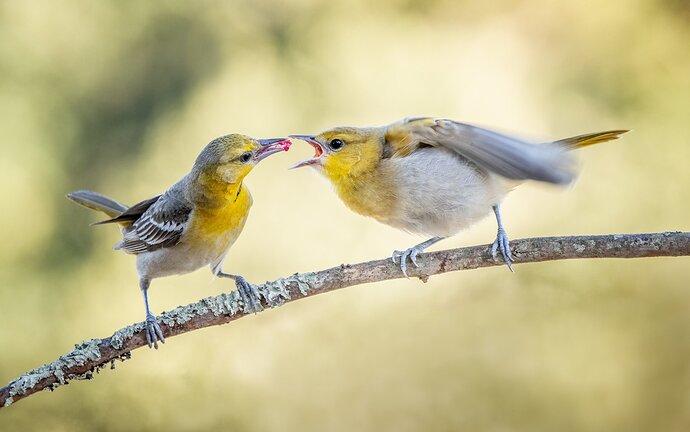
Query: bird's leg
{"points": [[412, 253], [501, 241], [251, 297], [153, 330]]}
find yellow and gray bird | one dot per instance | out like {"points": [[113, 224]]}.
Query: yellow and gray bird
{"points": [[194, 223], [435, 177]]}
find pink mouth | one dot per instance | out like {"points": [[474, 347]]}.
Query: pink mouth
{"points": [[318, 151]]}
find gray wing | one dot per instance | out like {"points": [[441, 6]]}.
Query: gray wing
{"points": [[504, 155], [161, 226]]}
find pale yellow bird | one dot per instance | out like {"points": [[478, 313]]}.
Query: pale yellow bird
{"points": [[435, 177]]}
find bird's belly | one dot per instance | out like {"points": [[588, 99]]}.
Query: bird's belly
{"points": [[171, 261], [206, 243], [440, 193]]}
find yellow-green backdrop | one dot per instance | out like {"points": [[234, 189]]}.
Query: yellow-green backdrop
{"points": [[120, 97]]}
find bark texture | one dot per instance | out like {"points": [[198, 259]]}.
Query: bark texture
{"points": [[90, 356]]}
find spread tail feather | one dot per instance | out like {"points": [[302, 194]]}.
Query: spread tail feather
{"points": [[585, 140], [98, 202]]}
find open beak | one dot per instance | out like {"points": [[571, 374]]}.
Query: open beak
{"points": [[271, 146], [318, 151]]}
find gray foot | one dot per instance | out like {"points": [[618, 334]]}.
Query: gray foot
{"points": [[501, 243], [412, 253], [251, 297], [403, 256], [153, 332]]}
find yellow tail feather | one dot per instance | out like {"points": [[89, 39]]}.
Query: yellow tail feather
{"points": [[585, 140]]}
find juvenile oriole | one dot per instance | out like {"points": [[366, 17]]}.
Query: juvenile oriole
{"points": [[435, 176], [192, 224]]}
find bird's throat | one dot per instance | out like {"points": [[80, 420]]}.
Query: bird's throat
{"points": [[212, 192], [368, 194]]}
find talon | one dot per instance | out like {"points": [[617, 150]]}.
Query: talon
{"points": [[494, 249], [509, 252], [153, 332], [503, 244], [403, 267], [403, 255], [159, 332], [251, 297], [413, 257], [243, 296], [412, 253]]}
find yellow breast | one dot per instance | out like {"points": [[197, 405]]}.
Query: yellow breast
{"points": [[219, 227], [370, 194]]}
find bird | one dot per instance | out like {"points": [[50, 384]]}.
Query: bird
{"points": [[435, 177], [192, 224]]}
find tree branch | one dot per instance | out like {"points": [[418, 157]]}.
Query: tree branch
{"points": [[93, 355]]}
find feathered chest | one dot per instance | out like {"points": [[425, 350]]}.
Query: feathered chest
{"points": [[370, 194], [220, 225]]}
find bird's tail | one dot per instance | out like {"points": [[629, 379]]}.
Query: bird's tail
{"points": [[589, 139], [98, 202]]}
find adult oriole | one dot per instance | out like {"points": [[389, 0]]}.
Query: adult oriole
{"points": [[192, 224]]}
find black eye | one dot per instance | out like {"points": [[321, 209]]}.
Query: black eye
{"points": [[336, 144], [244, 158]]}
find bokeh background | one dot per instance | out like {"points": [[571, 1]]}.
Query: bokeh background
{"points": [[120, 97]]}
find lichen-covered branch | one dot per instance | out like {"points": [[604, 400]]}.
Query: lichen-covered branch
{"points": [[92, 355]]}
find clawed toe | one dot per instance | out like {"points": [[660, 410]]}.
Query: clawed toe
{"points": [[412, 253], [403, 256], [503, 244], [249, 294], [154, 333], [251, 297]]}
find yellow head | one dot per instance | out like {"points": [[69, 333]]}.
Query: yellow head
{"points": [[228, 159], [344, 152]]}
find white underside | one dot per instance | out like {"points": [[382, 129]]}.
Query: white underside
{"points": [[443, 192], [185, 258]]}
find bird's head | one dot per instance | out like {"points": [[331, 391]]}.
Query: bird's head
{"points": [[344, 151], [228, 159]]}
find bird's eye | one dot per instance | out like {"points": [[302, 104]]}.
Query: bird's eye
{"points": [[336, 144], [244, 158]]}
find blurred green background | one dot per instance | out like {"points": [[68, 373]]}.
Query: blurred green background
{"points": [[120, 97]]}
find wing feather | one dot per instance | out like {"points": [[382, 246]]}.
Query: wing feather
{"points": [[504, 155], [160, 226]]}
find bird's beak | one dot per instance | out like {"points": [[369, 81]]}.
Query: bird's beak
{"points": [[270, 146], [318, 148]]}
